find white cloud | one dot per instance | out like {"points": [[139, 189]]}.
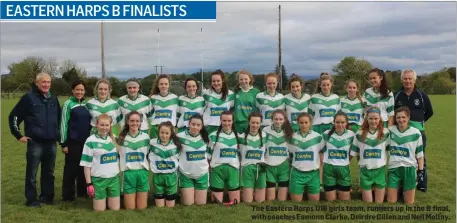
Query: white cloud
{"points": [[316, 35]]}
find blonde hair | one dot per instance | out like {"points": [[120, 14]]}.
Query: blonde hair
{"points": [[110, 132], [243, 72], [324, 76], [103, 81]]}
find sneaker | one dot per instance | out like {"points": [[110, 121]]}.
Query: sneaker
{"points": [[46, 201], [34, 204]]}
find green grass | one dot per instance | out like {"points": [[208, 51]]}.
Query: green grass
{"points": [[441, 166]]}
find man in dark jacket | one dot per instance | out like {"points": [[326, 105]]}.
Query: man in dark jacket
{"points": [[40, 111], [421, 111]]}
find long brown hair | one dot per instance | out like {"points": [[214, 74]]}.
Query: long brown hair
{"points": [[287, 127], [384, 87], [248, 130], [173, 136], [126, 128], [243, 72], [358, 95], [224, 89], [155, 88], [323, 77], [203, 132], [340, 113], [219, 129], [365, 126]]}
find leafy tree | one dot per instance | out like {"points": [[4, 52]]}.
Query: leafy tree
{"points": [[68, 65], [71, 76], [451, 71], [26, 70], [354, 68]]}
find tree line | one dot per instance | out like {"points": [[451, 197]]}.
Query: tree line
{"points": [[22, 75]]}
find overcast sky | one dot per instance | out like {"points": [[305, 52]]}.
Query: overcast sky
{"points": [[315, 36]]}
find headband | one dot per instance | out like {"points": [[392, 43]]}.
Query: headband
{"points": [[133, 82], [376, 110]]}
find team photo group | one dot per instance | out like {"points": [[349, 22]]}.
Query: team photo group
{"points": [[255, 146]]}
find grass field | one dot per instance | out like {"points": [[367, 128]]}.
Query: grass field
{"points": [[441, 151]]}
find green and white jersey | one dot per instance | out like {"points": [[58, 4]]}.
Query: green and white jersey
{"points": [[337, 147], [141, 104], [245, 104], [323, 108], [386, 105], [193, 159], [109, 107], [133, 152], [100, 154], [189, 107], [224, 150], [276, 147], [252, 150], [164, 108], [305, 150], [267, 104], [163, 158], [405, 147], [215, 106], [354, 109], [372, 151], [296, 106]]}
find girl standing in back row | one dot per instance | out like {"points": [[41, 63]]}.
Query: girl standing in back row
{"points": [[189, 104], [135, 101], [103, 104], [324, 104], [218, 100], [380, 96], [245, 95], [269, 100], [296, 102], [353, 105], [164, 104]]}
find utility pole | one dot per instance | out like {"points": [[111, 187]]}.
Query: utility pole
{"points": [[279, 49], [161, 69], [102, 36]]}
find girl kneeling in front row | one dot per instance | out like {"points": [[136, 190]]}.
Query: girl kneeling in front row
{"points": [[223, 150], [372, 142], [193, 162], [134, 147], [101, 166], [406, 155], [163, 159], [336, 171], [305, 147], [252, 151], [279, 134]]}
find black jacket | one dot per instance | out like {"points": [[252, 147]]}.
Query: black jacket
{"points": [[418, 103], [40, 114]]}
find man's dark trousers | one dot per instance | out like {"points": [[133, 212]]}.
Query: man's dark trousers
{"points": [[43, 152], [73, 171], [423, 185]]}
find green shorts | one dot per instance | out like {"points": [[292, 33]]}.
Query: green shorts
{"points": [[135, 181], [280, 173], [200, 183], [241, 127], [373, 177], [210, 129], [322, 128], [253, 176], [225, 176], [336, 175], [165, 183], [154, 131], [299, 180], [106, 187], [354, 127], [402, 176]]}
